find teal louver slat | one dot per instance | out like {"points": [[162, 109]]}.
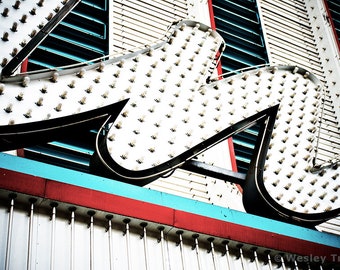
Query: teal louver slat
{"points": [[81, 36], [73, 152], [239, 24]]}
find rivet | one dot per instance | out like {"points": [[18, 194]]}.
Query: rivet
{"points": [[82, 101], [101, 67], [63, 95], [72, 84], [33, 33], [5, 12], [39, 102], [58, 108], [8, 109], [4, 62], [55, 77], [14, 27], [14, 52], [28, 114], [33, 11], [49, 17], [43, 89], [20, 96], [26, 80], [273, 69], [16, 5]]}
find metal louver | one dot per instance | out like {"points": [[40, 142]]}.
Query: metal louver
{"points": [[136, 23], [238, 23], [80, 37]]}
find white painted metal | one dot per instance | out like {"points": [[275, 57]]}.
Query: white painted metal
{"points": [[136, 23], [166, 246]]}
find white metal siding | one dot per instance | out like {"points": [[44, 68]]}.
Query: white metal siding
{"points": [[59, 241], [136, 23]]}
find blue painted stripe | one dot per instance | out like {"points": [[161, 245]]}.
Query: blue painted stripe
{"points": [[89, 181]]}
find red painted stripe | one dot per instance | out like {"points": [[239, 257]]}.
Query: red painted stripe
{"points": [[24, 66], [23, 183], [57, 191], [109, 203], [211, 14]]}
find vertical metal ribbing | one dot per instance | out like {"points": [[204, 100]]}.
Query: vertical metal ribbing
{"points": [[53, 220], [196, 247], [227, 254], [72, 210], [212, 250], [9, 231], [256, 259], [283, 266], [180, 243], [109, 230], [127, 235], [241, 257], [91, 213], [161, 240], [30, 233], [295, 265], [269, 260], [143, 236]]}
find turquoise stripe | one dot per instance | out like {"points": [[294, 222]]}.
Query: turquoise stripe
{"points": [[85, 180]]}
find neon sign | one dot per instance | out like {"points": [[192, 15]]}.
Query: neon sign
{"points": [[158, 112]]}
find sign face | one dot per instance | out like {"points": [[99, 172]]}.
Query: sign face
{"points": [[158, 111]]}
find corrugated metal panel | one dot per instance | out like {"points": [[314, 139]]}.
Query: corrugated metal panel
{"points": [[201, 188], [136, 23], [289, 35], [42, 234]]}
